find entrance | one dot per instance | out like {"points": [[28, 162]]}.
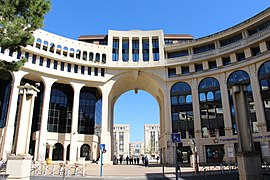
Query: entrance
{"points": [[214, 153]]}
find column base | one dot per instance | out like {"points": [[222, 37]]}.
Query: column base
{"points": [[249, 165], [19, 167]]}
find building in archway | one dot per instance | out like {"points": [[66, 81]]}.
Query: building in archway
{"points": [[121, 140], [80, 82], [151, 140]]}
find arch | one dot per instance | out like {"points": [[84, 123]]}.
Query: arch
{"points": [[212, 121], [85, 151], [182, 110], [58, 49], [103, 58], [65, 51], [78, 54], [264, 80], [58, 152], [71, 52], [52, 46], [45, 45], [38, 43], [97, 59], [238, 76], [84, 55], [91, 56]]}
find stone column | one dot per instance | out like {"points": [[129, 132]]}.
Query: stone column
{"points": [[74, 126], [10, 120], [24, 121], [130, 49], [248, 159], [225, 105], [140, 49], [150, 48], [41, 150], [196, 109], [120, 49]]}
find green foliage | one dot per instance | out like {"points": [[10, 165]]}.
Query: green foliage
{"points": [[18, 20]]}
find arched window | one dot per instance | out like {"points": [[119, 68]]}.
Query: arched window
{"points": [[84, 55], [91, 56], [97, 57], [103, 58], [58, 49], [85, 151], [212, 121], [264, 78], [78, 54], [52, 46], [65, 51], [58, 151], [236, 77], [71, 53], [182, 110], [38, 43], [45, 45]]}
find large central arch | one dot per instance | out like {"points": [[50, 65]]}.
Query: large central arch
{"points": [[136, 80]]}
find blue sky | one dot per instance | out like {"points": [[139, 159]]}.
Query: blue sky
{"points": [[71, 18]]}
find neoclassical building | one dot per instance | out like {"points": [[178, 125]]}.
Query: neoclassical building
{"points": [[81, 80]]}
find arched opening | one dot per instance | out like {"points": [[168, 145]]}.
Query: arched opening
{"points": [[85, 151], [58, 151], [136, 131], [68, 151]]}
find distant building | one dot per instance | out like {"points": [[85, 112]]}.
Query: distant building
{"points": [[151, 140], [136, 149], [121, 140]]}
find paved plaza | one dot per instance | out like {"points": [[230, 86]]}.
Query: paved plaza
{"points": [[154, 171]]}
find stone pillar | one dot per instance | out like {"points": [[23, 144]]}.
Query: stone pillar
{"points": [[130, 49], [150, 48], [10, 120], [196, 109], [41, 150], [74, 126], [249, 162], [24, 121], [120, 49], [225, 105], [140, 49]]}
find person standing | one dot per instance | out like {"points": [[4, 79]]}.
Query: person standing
{"points": [[127, 159], [146, 161]]}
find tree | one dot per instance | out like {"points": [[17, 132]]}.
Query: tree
{"points": [[18, 20]]}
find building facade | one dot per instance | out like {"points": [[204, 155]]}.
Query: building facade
{"points": [[136, 149], [151, 140], [121, 140], [80, 82]]}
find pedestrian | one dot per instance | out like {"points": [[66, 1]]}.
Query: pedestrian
{"points": [[127, 159], [121, 159], [143, 159], [146, 161], [138, 160]]}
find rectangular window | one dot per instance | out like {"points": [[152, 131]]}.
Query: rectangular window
{"points": [[34, 58], [62, 66], [155, 44], [69, 67], [185, 69], [41, 61], [89, 70], [171, 72], [177, 54], [255, 51], [82, 69], [212, 64], [75, 68], [231, 40], [19, 53], [135, 50], [55, 63], [240, 56], [125, 49], [48, 63], [102, 72], [26, 55], [226, 61], [145, 49], [198, 67], [96, 71], [202, 49], [115, 50]]}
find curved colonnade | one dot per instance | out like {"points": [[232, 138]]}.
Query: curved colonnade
{"points": [[190, 81]]}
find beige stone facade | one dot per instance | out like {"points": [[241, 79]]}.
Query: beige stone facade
{"points": [[132, 60]]}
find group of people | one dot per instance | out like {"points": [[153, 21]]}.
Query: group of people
{"points": [[133, 160]]}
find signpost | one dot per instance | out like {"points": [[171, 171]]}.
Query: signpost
{"points": [[176, 138], [102, 150]]}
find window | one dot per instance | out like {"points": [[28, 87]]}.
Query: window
{"points": [[125, 49], [89, 70], [135, 50], [69, 67], [115, 50], [102, 72], [62, 66], [41, 61], [212, 64], [240, 56], [226, 61], [255, 51], [55, 63], [198, 67], [171, 72], [96, 71], [185, 69], [202, 49], [231, 40], [82, 69], [145, 49], [75, 68], [91, 56], [177, 54], [34, 59], [182, 110], [48, 63], [155, 44]]}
